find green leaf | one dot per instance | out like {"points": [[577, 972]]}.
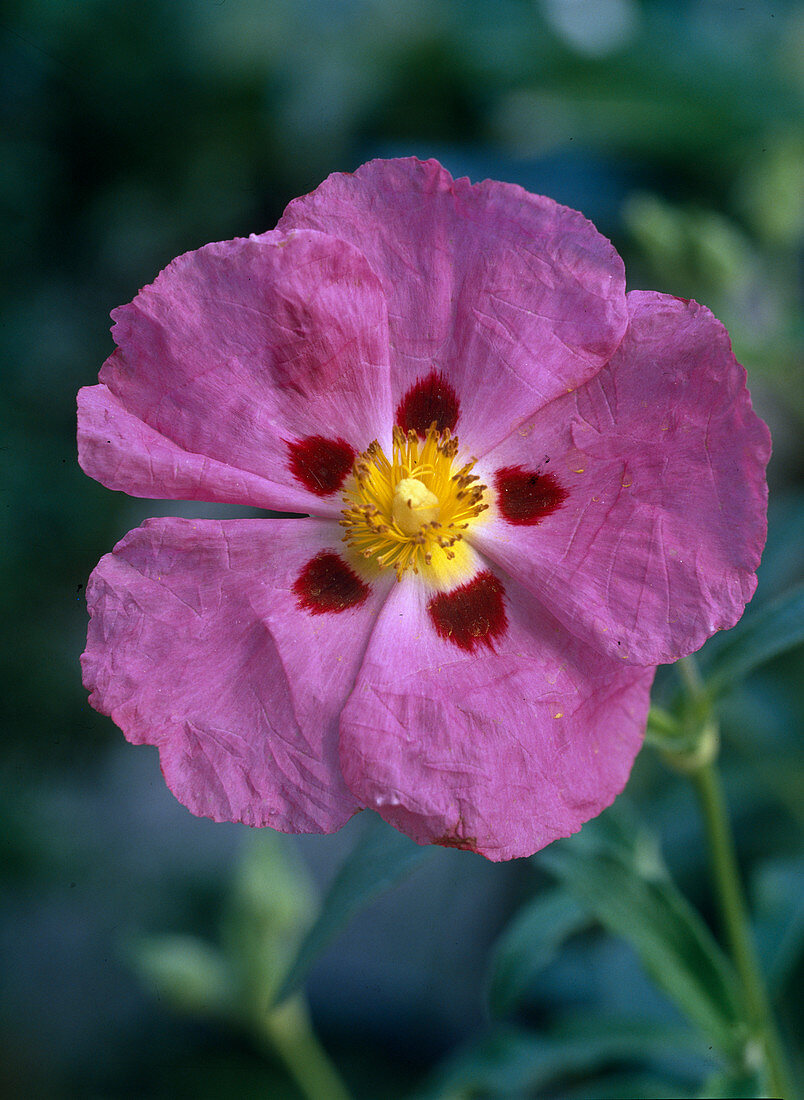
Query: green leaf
{"points": [[627, 1086], [628, 889], [778, 890], [529, 943], [732, 1084], [760, 636], [511, 1061], [381, 858], [781, 559]]}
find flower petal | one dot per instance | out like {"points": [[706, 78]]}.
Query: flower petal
{"points": [[231, 363], [120, 450], [499, 751], [198, 644], [662, 461], [515, 298]]}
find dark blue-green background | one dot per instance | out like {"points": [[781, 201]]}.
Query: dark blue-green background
{"points": [[133, 130]]}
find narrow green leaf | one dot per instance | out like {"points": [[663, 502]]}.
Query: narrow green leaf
{"points": [[781, 558], [627, 1086], [381, 858], [529, 943], [511, 1061], [768, 632], [778, 890], [632, 896], [732, 1084]]}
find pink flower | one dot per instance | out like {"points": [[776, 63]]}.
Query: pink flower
{"points": [[526, 489]]}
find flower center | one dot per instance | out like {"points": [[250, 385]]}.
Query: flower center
{"points": [[411, 512]]}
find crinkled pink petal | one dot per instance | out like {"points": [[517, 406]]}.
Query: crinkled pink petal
{"points": [[233, 351], [197, 644], [663, 460], [500, 752], [515, 298], [125, 453]]}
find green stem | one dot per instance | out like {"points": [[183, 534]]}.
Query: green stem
{"points": [[734, 916], [290, 1034], [700, 766], [689, 673]]}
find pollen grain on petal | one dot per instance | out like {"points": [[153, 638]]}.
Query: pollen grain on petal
{"points": [[327, 584], [320, 464]]}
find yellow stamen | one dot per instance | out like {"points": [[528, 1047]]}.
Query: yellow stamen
{"points": [[412, 512]]}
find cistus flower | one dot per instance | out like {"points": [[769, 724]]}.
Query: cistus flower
{"points": [[523, 489]]}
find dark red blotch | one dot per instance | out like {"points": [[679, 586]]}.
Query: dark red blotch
{"points": [[430, 400], [328, 584], [471, 615], [527, 496], [320, 464]]}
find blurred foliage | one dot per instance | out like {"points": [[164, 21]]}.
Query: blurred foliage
{"points": [[268, 906], [136, 129]]}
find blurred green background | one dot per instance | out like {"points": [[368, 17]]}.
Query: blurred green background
{"points": [[134, 130]]}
